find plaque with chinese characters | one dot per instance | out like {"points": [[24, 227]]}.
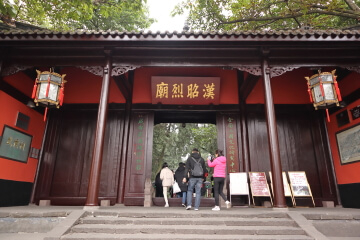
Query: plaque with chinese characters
{"points": [[15, 145], [185, 90]]}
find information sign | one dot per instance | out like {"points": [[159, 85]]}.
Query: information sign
{"points": [[258, 184], [239, 184], [299, 184]]}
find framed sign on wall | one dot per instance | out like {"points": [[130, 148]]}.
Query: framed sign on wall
{"points": [[348, 142], [15, 145]]}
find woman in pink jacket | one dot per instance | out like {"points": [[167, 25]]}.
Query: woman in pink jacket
{"points": [[219, 165]]}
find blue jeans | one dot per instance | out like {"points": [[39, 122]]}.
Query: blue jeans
{"points": [[197, 183], [183, 200]]}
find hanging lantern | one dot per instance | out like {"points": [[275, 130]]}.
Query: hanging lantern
{"points": [[48, 90], [324, 91]]}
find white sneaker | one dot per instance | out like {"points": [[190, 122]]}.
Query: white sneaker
{"points": [[166, 205], [188, 207], [216, 208], [228, 205]]}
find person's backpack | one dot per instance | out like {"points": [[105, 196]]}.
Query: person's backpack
{"points": [[198, 170]]}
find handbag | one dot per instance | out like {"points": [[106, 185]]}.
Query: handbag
{"points": [[176, 188]]}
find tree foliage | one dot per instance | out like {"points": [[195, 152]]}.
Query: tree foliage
{"points": [[122, 15], [174, 141], [237, 15]]}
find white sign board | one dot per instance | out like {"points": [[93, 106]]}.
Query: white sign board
{"points": [[239, 184]]}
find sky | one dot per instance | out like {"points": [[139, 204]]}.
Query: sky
{"points": [[160, 10]]}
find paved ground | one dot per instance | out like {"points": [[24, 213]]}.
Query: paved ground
{"points": [[35, 223]]}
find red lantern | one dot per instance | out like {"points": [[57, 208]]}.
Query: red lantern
{"points": [[323, 90], [48, 90]]}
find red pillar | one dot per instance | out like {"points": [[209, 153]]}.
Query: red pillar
{"points": [[95, 170], [279, 197]]}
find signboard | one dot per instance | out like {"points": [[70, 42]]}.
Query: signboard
{"points": [[185, 90], [258, 184], [15, 145], [348, 142], [287, 191], [231, 144], [238, 183], [299, 184]]}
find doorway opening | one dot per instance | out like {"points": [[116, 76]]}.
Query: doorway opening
{"points": [[173, 142]]}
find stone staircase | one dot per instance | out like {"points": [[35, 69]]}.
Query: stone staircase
{"points": [[181, 224]]}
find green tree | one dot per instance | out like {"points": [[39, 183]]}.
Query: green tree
{"points": [[122, 15], [242, 15], [174, 141]]}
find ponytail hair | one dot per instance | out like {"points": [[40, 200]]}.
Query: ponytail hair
{"points": [[219, 152]]}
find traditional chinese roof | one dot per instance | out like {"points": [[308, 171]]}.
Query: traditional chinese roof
{"points": [[300, 34], [188, 48]]}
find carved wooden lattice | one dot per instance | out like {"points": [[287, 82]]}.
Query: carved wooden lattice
{"points": [[116, 71], [13, 69], [354, 68], [274, 71]]}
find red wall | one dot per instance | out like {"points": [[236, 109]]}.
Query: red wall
{"points": [[9, 108], [348, 173], [81, 86], [228, 78], [289, 88], [85, 87]]}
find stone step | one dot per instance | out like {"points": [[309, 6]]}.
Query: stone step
{"points": [[188, 229], [187, 214], [180, 236], [190, 221]]}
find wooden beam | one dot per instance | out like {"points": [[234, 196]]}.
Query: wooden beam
{"points": [[247, 86], [124, 86]]}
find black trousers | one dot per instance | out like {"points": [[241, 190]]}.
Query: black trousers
{"points": [[218, 189]]}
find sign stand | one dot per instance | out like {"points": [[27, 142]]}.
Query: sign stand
{"points": [[239, 185], [287, 191], [300, 186], [259, 186]]}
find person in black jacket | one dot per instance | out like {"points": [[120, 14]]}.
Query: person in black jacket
{"points": [[194, 181], [179, 174], [158, 186]]}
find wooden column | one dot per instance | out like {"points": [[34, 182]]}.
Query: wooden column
{"points": [[275, 162], [124, 152], [95, 170], [244, 138]]}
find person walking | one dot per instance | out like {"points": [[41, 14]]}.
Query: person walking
{"points": [[167, 178], [158, 186], [219, 165], [194, 168], [179, 174]]}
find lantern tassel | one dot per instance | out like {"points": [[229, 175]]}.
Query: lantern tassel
{"points": [[34, 90], [322, 88], [309, 91], [61, 95], [48, 88], [337, 91], [327, 115], [46, 110]]}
